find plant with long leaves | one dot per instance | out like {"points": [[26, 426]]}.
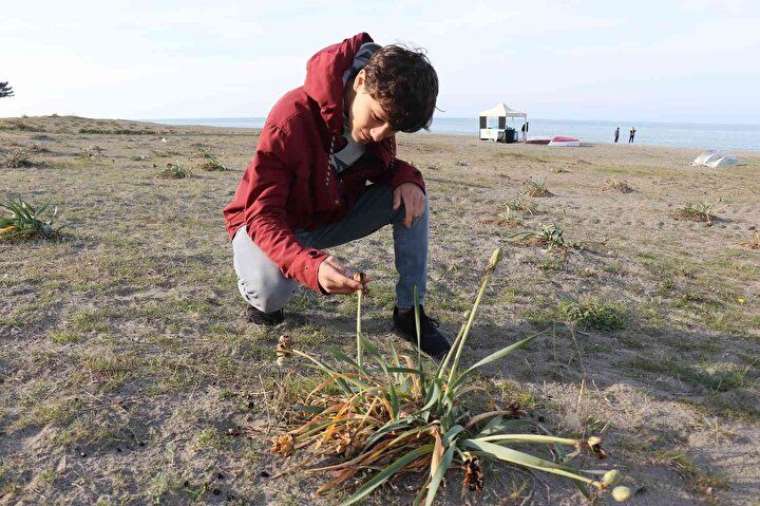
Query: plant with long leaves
{"points": [[550, 236], [211, 162], [384, 417], [28, 221]]}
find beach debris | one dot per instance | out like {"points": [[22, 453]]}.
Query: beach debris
{"points": [[714, 159]]}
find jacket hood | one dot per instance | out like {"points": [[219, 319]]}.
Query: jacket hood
{"points": [[324, 79]]}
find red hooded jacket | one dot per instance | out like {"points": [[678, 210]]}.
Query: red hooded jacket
{"points": [[289, 184]]}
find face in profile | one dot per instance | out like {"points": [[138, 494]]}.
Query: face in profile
{"points": [[367, 121]]}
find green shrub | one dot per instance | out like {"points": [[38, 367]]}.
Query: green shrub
{"points": [[210, 162], [175, 171], [594, 314], [27, 221]]}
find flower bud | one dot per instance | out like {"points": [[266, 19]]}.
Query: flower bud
{"points": [[594, 442], [611, 477], [495, 258], [621, 494]]}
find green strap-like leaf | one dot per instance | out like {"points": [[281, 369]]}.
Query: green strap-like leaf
{"points": [[394, 401], [500, 425], [386, 473], [497, 355], [405, 370], [435, 482], [433, 396], [522, 459], [390, 426], [340, 355], [448, 438]]}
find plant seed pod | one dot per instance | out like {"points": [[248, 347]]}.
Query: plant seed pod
{"points": [[595, 445], [283, 444], [611, 478], [361, 278], [495, 258], [621, 494], [283, 349]]}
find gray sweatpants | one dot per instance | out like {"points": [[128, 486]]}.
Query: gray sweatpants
{"points": [[263, 286]]}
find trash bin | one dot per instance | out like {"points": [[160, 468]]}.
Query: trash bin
{"points": [[510, 135]]}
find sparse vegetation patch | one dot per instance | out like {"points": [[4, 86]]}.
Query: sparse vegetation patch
{"points": [[594, 314], [175, 170], [549, 236], [211, 162], [619, 185], [23, 220], [753, 243], [19, 158], [696, 211], [537, 189], [397, 416]]}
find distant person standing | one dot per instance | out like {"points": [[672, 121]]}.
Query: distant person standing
{"points": [[524, 130], [632, 135], [617, 134]]}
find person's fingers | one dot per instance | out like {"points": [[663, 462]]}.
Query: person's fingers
{"points": [[396, 198], [408, 217], [335, 281], [344, 285], [419, 206]]}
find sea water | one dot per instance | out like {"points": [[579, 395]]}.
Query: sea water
{"points": [[685, 135]]}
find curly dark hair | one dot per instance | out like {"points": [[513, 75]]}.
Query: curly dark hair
{"points": [[405, 84]]}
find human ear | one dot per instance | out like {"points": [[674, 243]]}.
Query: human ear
{"points": [[359, 80]]}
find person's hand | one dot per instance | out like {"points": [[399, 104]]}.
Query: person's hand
{"points": [[334, 278], [414, 201]]}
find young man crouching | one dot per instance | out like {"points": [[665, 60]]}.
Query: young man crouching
{"points": [[325, 173]]}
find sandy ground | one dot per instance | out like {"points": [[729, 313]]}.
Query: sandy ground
{"points": [[128, 374]]}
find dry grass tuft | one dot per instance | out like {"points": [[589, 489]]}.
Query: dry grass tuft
{"points": [[18, 159], [549, 236], [210, 162], [621, 186], [754, 243], [521, 204], [537, 189], [175, 171], [696, 211]]}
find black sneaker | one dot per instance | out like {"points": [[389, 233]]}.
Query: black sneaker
{"points": [[261, 318], [432, 341]]}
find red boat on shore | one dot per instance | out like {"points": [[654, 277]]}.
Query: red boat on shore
{"points": [[557, 140]]}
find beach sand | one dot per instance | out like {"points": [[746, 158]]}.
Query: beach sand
{"points": [[128, 373]]}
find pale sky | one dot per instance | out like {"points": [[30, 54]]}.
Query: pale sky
{"points": [[666, 60]]}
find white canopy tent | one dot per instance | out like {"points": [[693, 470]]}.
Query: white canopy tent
{"points": [[502, 113]]}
